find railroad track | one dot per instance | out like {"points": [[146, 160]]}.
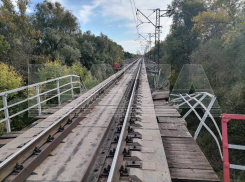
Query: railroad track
{"points": [[20, 165], [109, 164], [110, 133]]}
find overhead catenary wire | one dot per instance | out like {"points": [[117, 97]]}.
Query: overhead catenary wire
{"points": [[134, 14]]}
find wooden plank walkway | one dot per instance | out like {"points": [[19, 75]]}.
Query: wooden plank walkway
{"points": [[186, 161]]}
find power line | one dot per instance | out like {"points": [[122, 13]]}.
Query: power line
{"points": [[133, 15], [157, 26]]}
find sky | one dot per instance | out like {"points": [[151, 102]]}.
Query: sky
{"points": [[115, 18]]}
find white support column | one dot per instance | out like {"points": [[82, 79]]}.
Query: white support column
{"points": [[210, 115], [6, 112], [58, 90], [84, 87], [195, 105], [183, 103], [80, 85], [38, 100], [72, 92], [209, 130]]}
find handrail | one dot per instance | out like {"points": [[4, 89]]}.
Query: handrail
{"points": [[225, 118], [36, 84], [55, 123], [37, 95]]}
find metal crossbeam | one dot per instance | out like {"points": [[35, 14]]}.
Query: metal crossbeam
{"points": [[186, 98], [37, 96], [207, 112]]}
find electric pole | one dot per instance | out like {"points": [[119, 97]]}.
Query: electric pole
{"points": [[149, 45], [157, 29]]}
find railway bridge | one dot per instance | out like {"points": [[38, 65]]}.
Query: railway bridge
{"points": [[116, 131]]}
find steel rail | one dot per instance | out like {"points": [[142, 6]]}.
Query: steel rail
{"points": [[47, 130], [119, 145]]}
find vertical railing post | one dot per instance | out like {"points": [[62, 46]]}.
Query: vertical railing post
{"points": [[6, 112], [58, 90], [226, 164], [72, 92], [38, 100], [84, 87], [80, 85]]}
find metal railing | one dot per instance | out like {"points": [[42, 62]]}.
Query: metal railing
{"points": [[225, 118], [186, 98], [31, 143], [38, 95]]}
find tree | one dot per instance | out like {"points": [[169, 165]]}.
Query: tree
{"points": [[9, 78], [181, 41], [211, 23], [98, 50], [19, 34], [58, 27], [4, 46]]}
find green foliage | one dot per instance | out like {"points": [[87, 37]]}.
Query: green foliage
{"points": [[85, 75], [51, 41], [19, 34], [80, 70], [211, 23], [51, 33], [182, 41], [90, 81], [9, 78], [211, 33], [4, 46], [98, 50], [57, 26], [53, 70], [128, 55]]}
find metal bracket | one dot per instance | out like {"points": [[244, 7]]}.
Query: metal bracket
{"points": [[134, 148], [126, 153], [18, 167], [37, 151], [129, 139], [135, 164], [124, 171], [50, 138], [136, 135]]}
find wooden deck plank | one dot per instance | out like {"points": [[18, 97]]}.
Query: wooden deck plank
{"points": [[163, 94], [173, 126], [4, 141], [186, 161], [171, 120], [12, 134], [192, 175], [162, 114], [175, 133]]}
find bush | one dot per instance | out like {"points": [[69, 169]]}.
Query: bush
{"points": [[9, 78]]}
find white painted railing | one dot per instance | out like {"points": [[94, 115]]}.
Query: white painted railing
{"points": [[37, 95]]}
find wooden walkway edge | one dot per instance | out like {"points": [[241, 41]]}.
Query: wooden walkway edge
{"points": [[186, 161]]}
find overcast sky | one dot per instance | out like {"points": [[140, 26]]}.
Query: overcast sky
{"points": [[115, 18]]}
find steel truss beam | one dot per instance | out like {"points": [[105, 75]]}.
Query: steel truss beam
{"points": [[186, 98]]}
